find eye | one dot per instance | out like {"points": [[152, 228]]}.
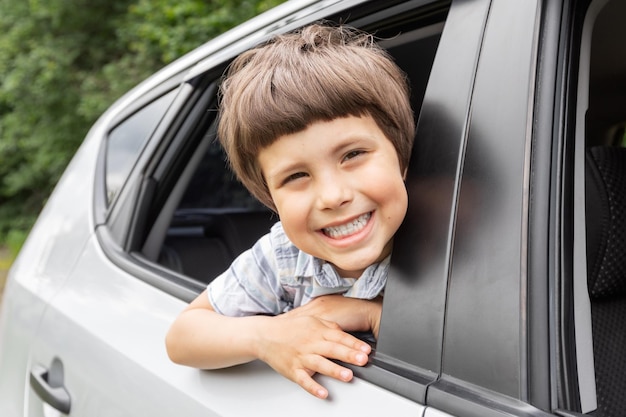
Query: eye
{"points": [[353, 154], [294, 177]]}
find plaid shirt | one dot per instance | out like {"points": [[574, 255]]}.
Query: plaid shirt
{"points": [[274, 276]]}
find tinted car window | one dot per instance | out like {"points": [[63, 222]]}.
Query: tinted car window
{"points": [[126, 141]]}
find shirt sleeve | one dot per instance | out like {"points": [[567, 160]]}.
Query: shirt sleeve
{"points": [[251, 285]]}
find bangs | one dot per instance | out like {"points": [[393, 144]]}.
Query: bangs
{"points": [[318, 74]]}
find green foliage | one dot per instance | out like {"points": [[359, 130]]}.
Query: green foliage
{"points": [[63, 62], [14, 241]]}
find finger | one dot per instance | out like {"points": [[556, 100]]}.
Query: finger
{"points": [[337, 348], [323, 366], [342, 353], [346, 339], [304, 379]]}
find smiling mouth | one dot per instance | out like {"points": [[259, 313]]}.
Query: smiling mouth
{"points": [[347, 229]]}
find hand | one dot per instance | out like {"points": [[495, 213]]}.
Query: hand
{"points": [[351, 314], [297, 347]]}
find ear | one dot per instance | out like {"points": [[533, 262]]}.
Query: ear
{"points": [[404, 173]]}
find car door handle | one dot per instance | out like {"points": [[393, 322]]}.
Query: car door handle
{"points": [[48, 384]]}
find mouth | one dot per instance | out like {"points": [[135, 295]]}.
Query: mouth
{"points": [[349, 228]]}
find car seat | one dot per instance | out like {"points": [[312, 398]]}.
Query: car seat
{"points": [[606, 273], [203, 246]]}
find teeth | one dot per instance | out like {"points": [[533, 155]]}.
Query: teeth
{"points": [[348, 229]]}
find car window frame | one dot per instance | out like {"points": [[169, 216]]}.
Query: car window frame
{"points": [[558, 371]]}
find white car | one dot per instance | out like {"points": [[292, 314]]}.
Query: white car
{"points": [[507, 293]]}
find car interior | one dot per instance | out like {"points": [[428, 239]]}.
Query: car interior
{"points": [[605, 172]]}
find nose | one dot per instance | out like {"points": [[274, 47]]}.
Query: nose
{"points": [[333, 191]]}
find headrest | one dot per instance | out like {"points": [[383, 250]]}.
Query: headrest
{"points": [[606, 221]]}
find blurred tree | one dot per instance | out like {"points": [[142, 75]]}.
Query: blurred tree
{"points": [[46, 49], [63, 62]]}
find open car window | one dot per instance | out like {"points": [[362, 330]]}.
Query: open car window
{"points": [[198, 218]]}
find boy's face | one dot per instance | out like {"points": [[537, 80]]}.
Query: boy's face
{"points": [[339, 191]]}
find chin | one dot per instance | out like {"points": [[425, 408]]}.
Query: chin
{"points": [[353, 270]]}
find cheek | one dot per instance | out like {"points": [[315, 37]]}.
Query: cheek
{"points": [[296, 229], [391, 195], [292, 213], [403, 205], [398, 201], [386, 186]]}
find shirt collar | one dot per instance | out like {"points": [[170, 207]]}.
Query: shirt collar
{"points": [[372, 281]]}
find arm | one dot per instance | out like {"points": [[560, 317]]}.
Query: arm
{"points": [[296, 346], [351, 314]]}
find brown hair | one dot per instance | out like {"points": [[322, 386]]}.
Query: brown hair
{"points": [[318, 73]]}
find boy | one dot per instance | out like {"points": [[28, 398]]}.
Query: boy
{"points": [[317, 125]]}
